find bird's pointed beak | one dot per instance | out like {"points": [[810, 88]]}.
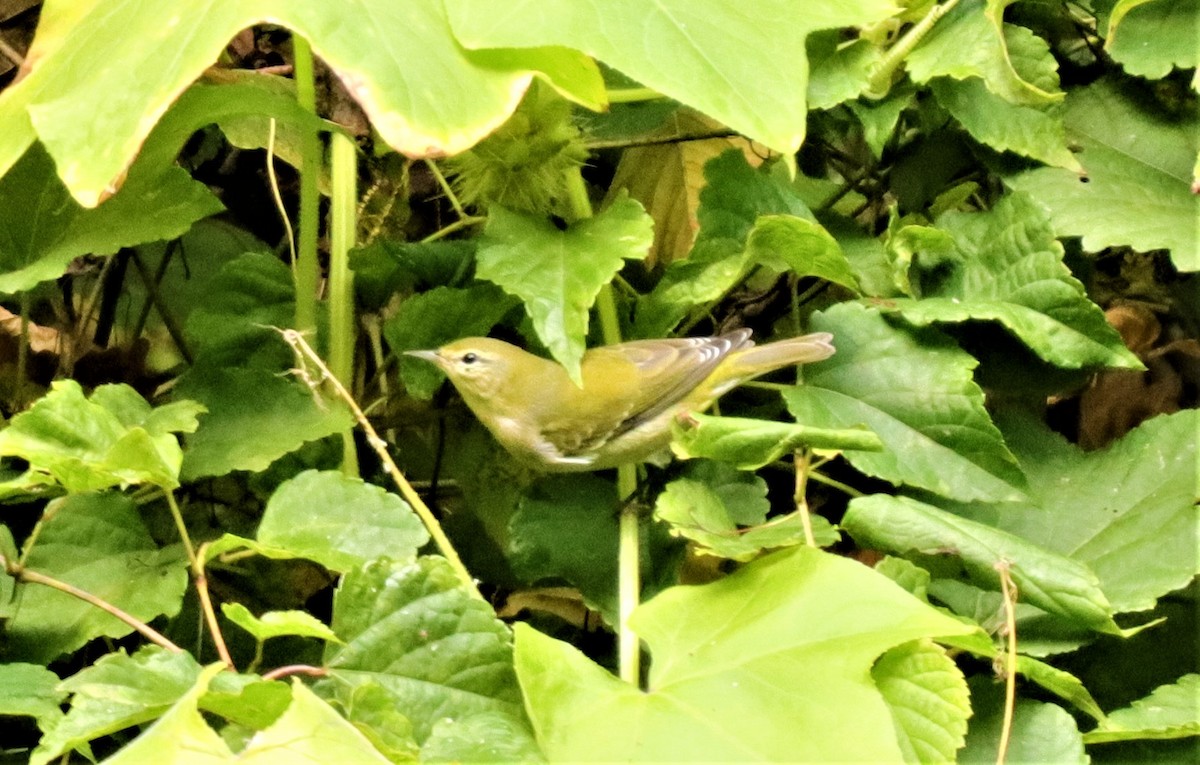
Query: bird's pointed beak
{"points": [[427, 355]]}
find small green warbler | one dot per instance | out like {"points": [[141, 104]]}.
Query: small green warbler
{"points": [[631, 392]]}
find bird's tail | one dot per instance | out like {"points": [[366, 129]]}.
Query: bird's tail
{"points": [[759, 359]]}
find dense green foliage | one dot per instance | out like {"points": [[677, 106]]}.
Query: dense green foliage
{"points": [[970, 534]]}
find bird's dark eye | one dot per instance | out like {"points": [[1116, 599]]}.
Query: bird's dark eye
{"points": [[469, 358]]}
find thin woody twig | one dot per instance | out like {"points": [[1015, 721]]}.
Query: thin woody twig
{"points": [[305, 355], [1008, 590], [151, 634]]}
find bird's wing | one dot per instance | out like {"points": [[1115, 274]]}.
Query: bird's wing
{"points": [[641, 379], [671, 369]]}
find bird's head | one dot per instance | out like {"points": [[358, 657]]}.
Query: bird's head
{"points": [[478, 366]]}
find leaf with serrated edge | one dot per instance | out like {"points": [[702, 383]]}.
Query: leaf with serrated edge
{"points": [[309, 730], [804, 247], [1171, 711], [1128, 511], [928, 698], [99, 543], [340, 522], [412, 629], [558, 274], [1025, 130], [30, 690], [915, 391], [724, 511], [89, 444], [969, 41], [1149, 39], [117, 692], [1137, 187], [1011, 272], [1054, 583]]}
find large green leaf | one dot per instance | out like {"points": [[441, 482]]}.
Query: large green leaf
{"points": [[1150, 37], [234, 321], [117, 692], [254, 417], [394, 59], [558, 274], [1026, 130], [412, 629], [915, 391], [309, 730], [1040, 732], [1010, 270], [98, 543], [431, 319], [971, 41], [42, 228], [340, 522], [724, 512], [1137, 188], [112, 439], [483, 737], [30, 690], [745, 67], [928, 698], [1171, 711], [1128, 511], [733, 677], [1052, 582]]}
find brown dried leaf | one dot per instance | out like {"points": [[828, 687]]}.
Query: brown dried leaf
{"points": [[666, 178]]}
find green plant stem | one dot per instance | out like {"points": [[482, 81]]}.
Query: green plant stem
{"points": [[628, 545], [802, 458], [1008, 591], [633, 95], [273, 183], [22, 354], [33, 577], [295, 669], [154, 297], [307, 268], [461, 223], [48, 513], [447, 189], [199, 578], [342, 227], [306, 355], [850, 490], [880, 81]]}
